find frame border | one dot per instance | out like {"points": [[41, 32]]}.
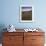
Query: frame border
{"points": [[32, 13]]}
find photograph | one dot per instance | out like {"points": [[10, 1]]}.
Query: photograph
{"points": [[22, 22]]}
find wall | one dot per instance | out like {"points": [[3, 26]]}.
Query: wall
{"points": [[9, 13]]}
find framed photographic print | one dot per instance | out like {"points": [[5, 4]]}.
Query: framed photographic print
{"points": [[26, 13]]}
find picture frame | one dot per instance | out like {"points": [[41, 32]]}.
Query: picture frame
{"points": [[26, 13]]}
